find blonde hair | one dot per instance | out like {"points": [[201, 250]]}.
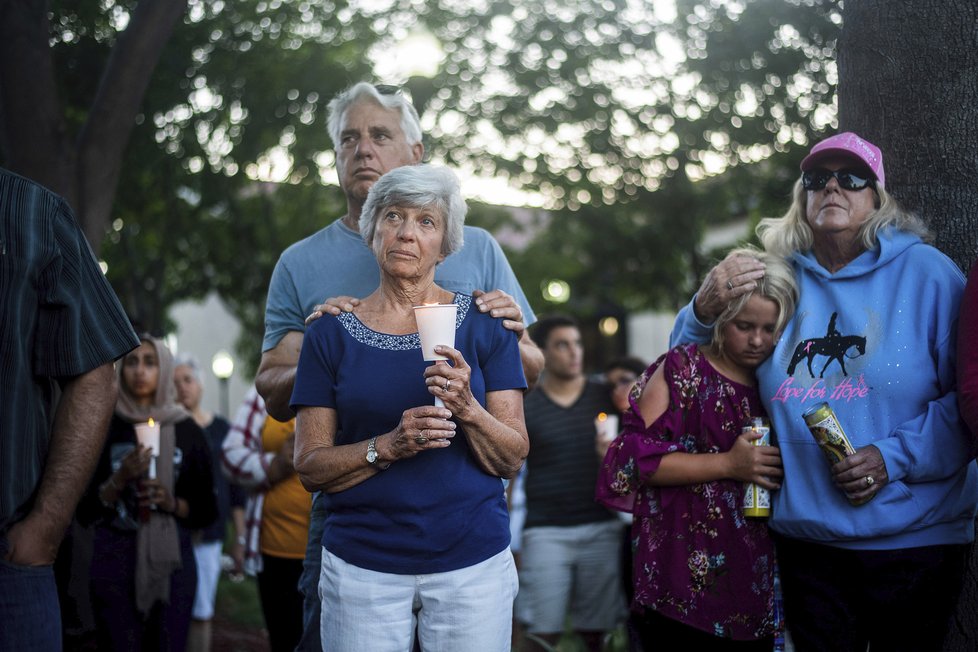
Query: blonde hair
{"points": [[789, 233], [778, 284]]}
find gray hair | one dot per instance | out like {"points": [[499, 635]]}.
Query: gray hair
{"points": [[362, 91], [791, 232], [189, 361], [417, 186], [778, 284]]}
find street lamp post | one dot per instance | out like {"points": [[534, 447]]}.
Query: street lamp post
{"points": [[222, 364]]}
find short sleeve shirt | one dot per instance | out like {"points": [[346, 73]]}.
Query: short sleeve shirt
{"points": [[60, 318], [562, 466], [439, 510]]}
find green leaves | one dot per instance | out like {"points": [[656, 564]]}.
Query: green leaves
{"points": [[616, 112]]}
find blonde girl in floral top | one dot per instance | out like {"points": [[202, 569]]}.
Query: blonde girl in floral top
{"points": [[703, 573]]}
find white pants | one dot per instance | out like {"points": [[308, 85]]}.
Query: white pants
{"points": [[468, 609], [208, 557]]}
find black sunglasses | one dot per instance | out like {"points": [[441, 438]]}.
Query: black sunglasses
{"points": [[817, 178]]}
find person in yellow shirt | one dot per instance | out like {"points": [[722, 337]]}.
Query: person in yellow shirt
{"points": [[257, 454]]}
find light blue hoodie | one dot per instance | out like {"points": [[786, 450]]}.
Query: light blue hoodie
{"points": [[881, 336]]}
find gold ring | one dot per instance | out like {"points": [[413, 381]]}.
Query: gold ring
{"points": [[870, 481]]}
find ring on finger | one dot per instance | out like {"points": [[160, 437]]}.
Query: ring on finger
{"points": [[421, 439], [870, 481], [729, 285], [448, 385]]}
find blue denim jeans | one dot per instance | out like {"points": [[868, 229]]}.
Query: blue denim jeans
{"points": [[309, 580], [30, 618]]}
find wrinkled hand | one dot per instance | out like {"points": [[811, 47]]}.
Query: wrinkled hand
{"points": [[154, 495], [420, 429], [853, 474], [501, 306], [450, 383], [33, 541], [758, 464], [333, 306], [732, 277]]}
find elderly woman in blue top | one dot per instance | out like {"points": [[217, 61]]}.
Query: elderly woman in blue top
{"points": [[874, 337], [417, 534]]}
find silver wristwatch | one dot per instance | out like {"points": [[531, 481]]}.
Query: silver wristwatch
{"points": [[372, 455]]}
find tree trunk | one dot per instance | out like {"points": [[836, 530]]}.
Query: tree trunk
{"points": [[34, 142], [908, 82], [33, 135]]}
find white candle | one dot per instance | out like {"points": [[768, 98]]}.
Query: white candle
{"points": [[606, 426], [436, 326], [148, 435]]}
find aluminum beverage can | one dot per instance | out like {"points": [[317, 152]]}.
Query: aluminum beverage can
{"points": [[830, 436], [757, 499]]}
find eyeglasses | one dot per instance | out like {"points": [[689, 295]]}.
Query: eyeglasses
{"points": [[817, 178]]}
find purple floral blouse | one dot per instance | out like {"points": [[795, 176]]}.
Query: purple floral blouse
{"points": [[697, 559]]}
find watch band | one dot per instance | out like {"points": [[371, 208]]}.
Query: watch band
{"points": [[372, 455]]}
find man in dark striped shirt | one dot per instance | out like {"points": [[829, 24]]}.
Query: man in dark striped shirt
{"points": [[61, 328], [571, 547]]}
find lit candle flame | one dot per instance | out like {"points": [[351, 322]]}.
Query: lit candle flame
{"points": [[602, 416], [151, 422]]}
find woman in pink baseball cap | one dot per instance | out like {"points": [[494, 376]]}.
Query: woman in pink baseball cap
{"points": [[872, 547]]}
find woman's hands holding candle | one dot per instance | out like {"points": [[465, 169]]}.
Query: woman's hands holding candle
{"points": [[450, 382], [154, 495], [420, 428], [134, 465]]}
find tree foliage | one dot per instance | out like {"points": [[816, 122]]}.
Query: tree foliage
{"points": [[595, 100], [235, 82], [618, 115]]}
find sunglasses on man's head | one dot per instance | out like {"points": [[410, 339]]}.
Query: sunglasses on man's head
{"points": [[817, 178]]}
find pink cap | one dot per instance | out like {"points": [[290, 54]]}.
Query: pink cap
{"points": [[847, 144]]}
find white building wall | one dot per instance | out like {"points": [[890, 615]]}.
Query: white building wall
{"points": [[648, 334], [204, 328]]}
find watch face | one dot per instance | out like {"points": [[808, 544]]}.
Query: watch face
{"points": [[371, 456]]}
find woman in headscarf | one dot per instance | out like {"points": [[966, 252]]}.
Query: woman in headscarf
{"points": [[143, 573]]}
